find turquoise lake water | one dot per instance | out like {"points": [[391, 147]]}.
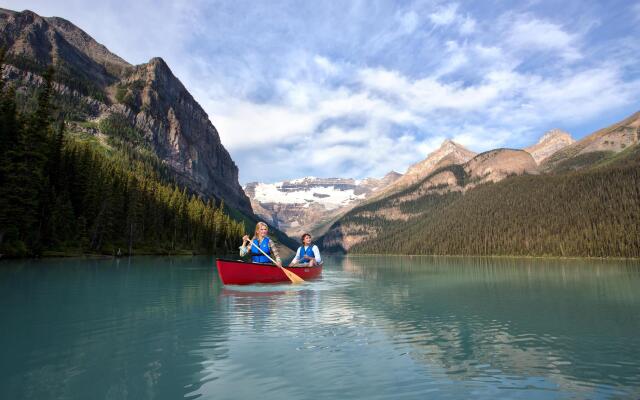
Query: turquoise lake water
{"points": [[371, 328]]}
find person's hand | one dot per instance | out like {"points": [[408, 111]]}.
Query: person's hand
{"points": [[279, 264], [245, 239]]}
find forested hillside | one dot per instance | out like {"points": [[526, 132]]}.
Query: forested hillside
{"points": [[67, 192], [591, 212]]}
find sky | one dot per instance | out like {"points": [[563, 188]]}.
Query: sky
{"points": [[356, 89]]}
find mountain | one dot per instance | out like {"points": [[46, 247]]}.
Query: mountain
{"points": [[595, 147], [448, 153], [551, 142], [496, 165], [307, 204], [98, 91], [399, 205], [502, 202]]}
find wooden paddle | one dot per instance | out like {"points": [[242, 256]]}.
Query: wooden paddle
{"points": [[292, 277]]}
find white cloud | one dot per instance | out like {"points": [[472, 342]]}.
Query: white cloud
{"points": [[327, 90], [467, 25], [445, 15], [409, 22], [448, 15], [529, 33]]}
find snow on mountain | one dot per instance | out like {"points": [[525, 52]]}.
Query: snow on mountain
{"points": [[331, 197], [304, 204]]}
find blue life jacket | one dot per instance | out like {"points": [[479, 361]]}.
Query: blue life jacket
{"points": [[303, 253], [256, 256]]}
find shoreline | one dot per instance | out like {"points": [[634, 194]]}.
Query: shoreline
{"points": [[490, 256], [53, 255]]}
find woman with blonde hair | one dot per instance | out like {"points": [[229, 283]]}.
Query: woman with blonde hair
{"points": [[260, 241]]}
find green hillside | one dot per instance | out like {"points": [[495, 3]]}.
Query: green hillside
{"points": [[69, 193], [592, 212]]}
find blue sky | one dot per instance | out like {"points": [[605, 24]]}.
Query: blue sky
{"points": [[359, 88]]}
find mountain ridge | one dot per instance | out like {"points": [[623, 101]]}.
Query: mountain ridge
{"points": [[425, 199], [100, 84], [306, 204]]}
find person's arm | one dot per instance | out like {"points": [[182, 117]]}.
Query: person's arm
{"points": [[316, 252], [276, 255], [246, 244], [296, 259], [243, 251]]}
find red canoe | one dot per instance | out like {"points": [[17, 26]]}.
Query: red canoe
{"points": [[245, 273]]}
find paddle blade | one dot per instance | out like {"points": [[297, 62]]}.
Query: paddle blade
{"points": [[292, 277]]}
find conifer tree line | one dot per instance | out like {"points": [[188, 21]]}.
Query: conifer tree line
{"points": [[593, 212], [62, 194]]}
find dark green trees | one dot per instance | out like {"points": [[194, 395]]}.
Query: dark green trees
{"points": [[60, 193], [593, 212]]}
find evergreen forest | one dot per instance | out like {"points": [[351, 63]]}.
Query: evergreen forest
{"points": [[67, 193], [593, 212]]}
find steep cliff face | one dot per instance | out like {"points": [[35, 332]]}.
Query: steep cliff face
{"points": [[180, 131], [148, 96]]}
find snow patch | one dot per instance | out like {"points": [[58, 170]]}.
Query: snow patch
{"points": [[330, 196]]}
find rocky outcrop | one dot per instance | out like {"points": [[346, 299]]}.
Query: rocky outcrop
{"points": [[180, 132], [149, 96], [551, 142], [37, 42], [495, 165]]}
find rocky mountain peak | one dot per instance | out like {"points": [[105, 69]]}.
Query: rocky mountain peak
{"points": [[556, 134], [454, 152], [549, 143], [448, 143], [82, 41], [391, 176], [159, 63], [148, 97]]}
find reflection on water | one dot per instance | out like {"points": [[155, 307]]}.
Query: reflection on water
{"points": [[372, 327]]}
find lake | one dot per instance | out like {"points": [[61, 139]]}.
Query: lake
{"points": [[371, 328]]}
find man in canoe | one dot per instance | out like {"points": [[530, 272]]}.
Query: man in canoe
{"points": [[259, 242], [307, 255]]}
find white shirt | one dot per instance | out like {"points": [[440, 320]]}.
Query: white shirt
{"points": [[316, 253]]}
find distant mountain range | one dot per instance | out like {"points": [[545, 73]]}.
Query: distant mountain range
{"points": [[310, 204], [579, 199], [313, 204], [556, 197]]}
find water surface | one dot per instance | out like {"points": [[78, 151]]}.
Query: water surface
{"points": [[372, 327]]}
